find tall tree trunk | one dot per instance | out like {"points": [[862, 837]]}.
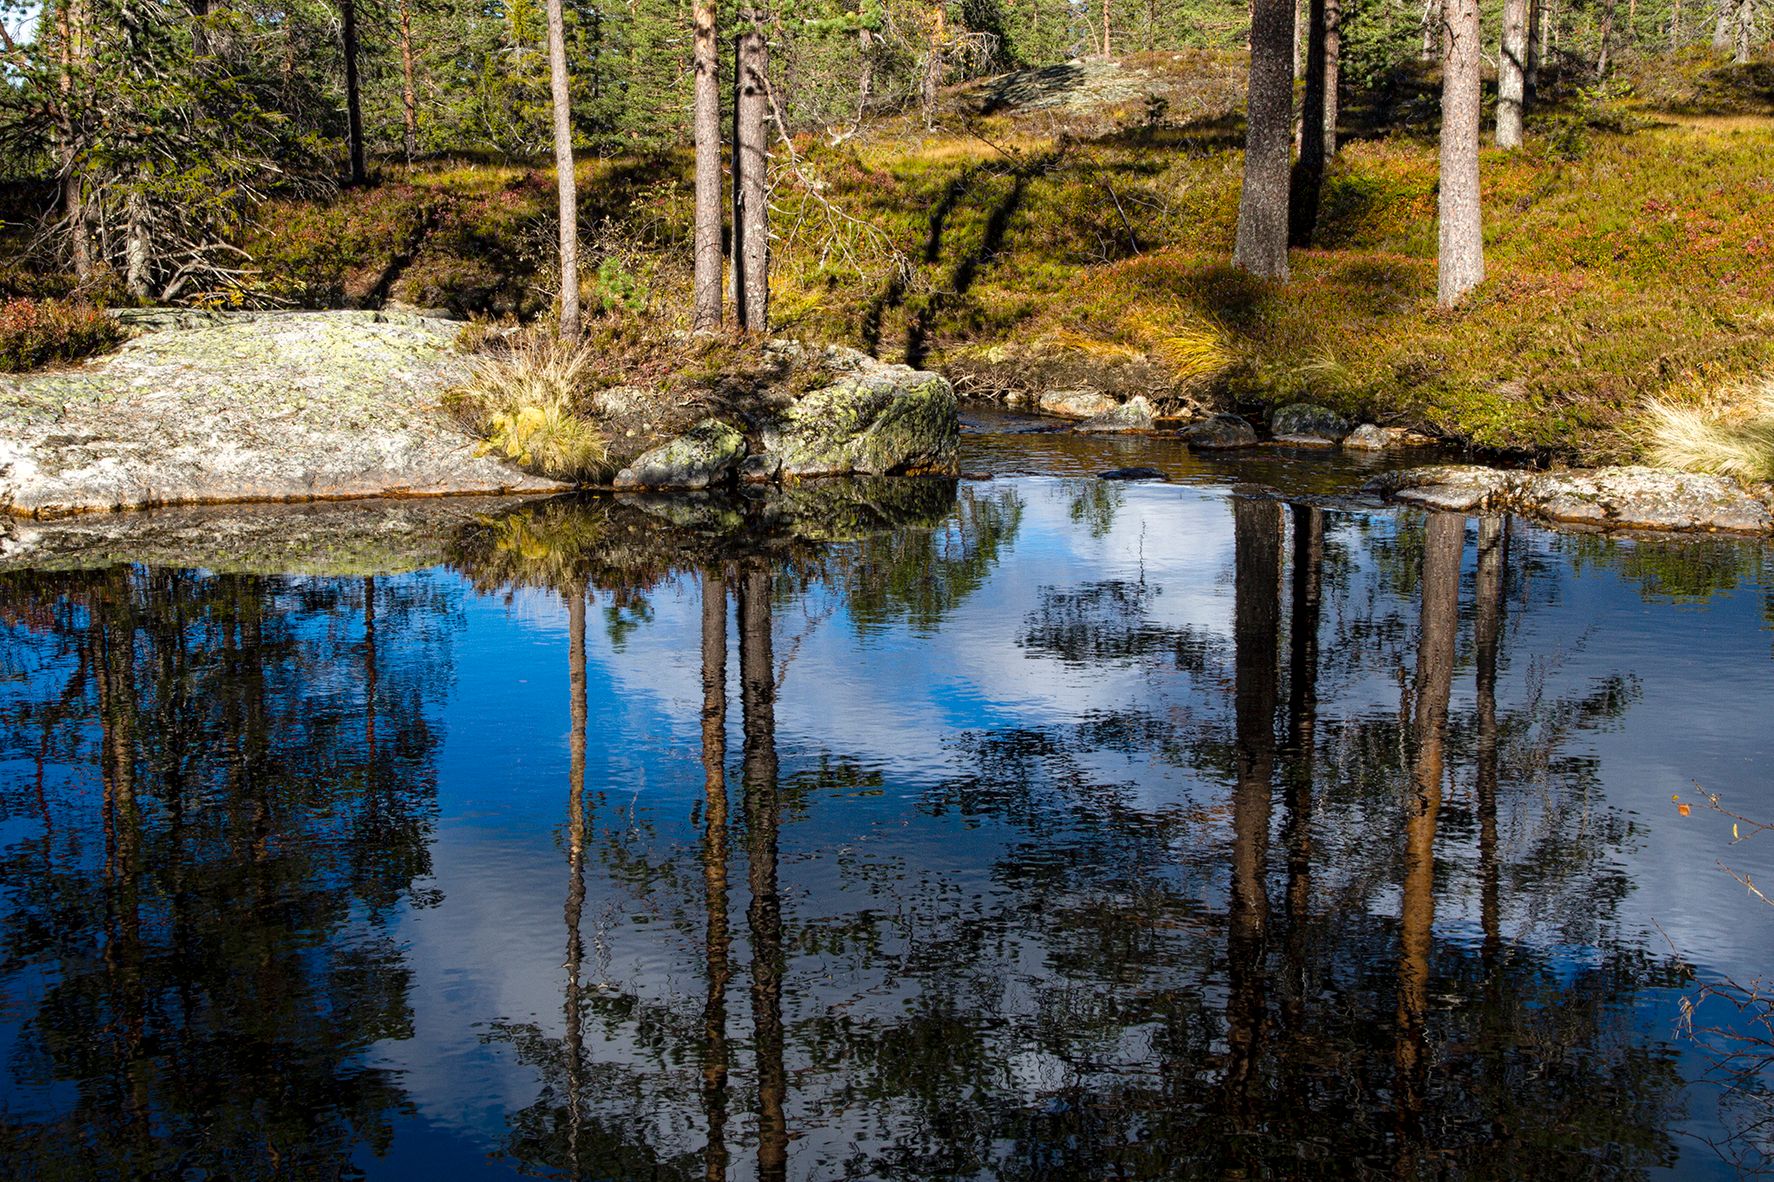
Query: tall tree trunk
{"points": [[1435, 667], [751, 163], [1308, 174], [409, 98], [353, 99], [1675, 26], [1605, 53], [1721, 31], [1107, 51], [1512, 73], [706, 127], [566, 184], [1746, 28], [137, 250], [1530, 83], [1333, 71], [70, 55], [1261, 246], [1432, 21], [865, 82], [1462, 231]]}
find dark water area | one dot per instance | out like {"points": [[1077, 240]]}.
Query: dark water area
{"points": [[1037, 827]]}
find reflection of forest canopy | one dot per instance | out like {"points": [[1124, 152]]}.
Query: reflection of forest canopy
{"points": [[208, 919]]}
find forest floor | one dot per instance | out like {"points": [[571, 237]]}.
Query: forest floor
{"points": [[1072, 226]]}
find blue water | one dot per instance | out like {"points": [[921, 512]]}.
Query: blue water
{"points": [[289, 889]]}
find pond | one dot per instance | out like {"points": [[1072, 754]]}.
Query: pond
{"points": [[1032, 826]]}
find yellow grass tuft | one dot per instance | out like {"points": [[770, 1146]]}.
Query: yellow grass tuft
{"points": [[519, 400], [1731, 436]]}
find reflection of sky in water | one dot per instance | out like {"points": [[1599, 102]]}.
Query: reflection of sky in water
{"points": [[1609, 703]]}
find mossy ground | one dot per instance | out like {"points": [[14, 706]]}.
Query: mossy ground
{"points": [[1630, 248]]}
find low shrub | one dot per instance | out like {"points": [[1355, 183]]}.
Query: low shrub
{"points": [[519, 399], [1731, 437], [35, 333]]}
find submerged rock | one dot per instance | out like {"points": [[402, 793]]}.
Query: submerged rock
{"points": [[1136, 414], [888, 419], [1612, 498], [708, 453], [1302, 424], [247, 407], [1219, 433], [1369, 437], [1132, 474]]}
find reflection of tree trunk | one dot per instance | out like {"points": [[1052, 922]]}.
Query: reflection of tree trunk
{"points": [[1493, 559], [1302, 712], [369, 679], [758, 693], [575, 865], [1256, 618], [714, 853], [1435, 667]]}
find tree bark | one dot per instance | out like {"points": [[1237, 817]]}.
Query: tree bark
{"points": [[1605, 53], [1308, 174], [566, 183], [1746, 27], [409, 99], [1432, 22], [353, 99], [751, 162], [67, 28], [1512, 73], [1261, 246], [1462, 231], [1333, 71], [1107, 51], [706, 127], [137, 250], [1721, 31], [1536, 44]]}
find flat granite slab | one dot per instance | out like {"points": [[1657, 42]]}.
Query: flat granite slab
{"points": [[283, 406], [1636, 498]]}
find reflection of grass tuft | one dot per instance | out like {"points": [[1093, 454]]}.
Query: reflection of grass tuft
{"points": [[1729, 438]]}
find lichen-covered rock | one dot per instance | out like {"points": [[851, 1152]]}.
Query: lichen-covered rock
{"points": [[1136, 414], [708, 453], [247, 407], [884, 420], [1219, 433], [1610, 498], [1302, 424], [1075, 404], [1369, 437]]}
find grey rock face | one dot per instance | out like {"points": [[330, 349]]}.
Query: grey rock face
{"points": [[886, 419], [1611, 498], [1368, 437], [1075, 404], [1303, 425], [263, 407], [1136, 414], [1219, 433], [706, 454]]}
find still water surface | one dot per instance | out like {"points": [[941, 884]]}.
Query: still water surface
{"points": [[1067, 829]]}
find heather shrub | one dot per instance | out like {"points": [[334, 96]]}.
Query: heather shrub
{"points": [[35, 333]]}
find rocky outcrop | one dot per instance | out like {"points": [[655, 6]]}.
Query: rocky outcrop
{"points": [[1075, 404], [886, 419], [1132, 416], [251, 407], [708, 453], [1302, 424], [1219, 433], [1609, 498]]}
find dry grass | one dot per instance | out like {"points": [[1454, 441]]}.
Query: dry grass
{"points": [[1731, 436], [519, 400]]}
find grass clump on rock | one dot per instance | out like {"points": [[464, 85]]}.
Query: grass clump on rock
{"points": [[1729, 437], [35, 333], [519, 399]]}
